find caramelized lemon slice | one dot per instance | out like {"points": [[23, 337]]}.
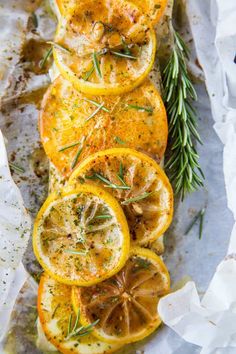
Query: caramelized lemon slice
{"points": [[76, 125], [58, 321], [125, 306], [146, 195], [104, 47], [81, 236], [153, 9]]}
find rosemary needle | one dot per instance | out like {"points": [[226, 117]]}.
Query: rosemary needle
{"points": [[81, 253], [95, 112], [96, 104], [108, 183], [96, 64], [201, 223], [59, 46], [45, 58], [88, 74], [16, 167], [123, 55], [74, 162], [63, 148], [104, 216], [119, 141], [200, 214], [136, 199], [139, 108], [35, 19]]}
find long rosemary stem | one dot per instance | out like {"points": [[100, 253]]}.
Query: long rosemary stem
{"points": [[179, 95]]}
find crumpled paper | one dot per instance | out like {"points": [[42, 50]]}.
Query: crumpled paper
{"points": [[15, 227], [210, 322]]}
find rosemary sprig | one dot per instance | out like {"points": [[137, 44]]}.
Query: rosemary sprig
{"points": [[179, 94], [96, 64], [108, 183], [45, 58], [140, 108], [79, 331], [136, 199], [97, 104]]}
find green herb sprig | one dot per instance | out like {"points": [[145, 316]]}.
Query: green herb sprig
{"points": [[77, 331], [106, 181], [179, 95]]}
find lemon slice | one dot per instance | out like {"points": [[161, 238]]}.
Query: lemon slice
{"points": [[81, 236], [104, 47], [72, 124], [139, 184], [58, 321], [126, 304], [153, 9]]}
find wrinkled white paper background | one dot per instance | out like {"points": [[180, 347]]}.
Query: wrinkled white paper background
{"points": [[15, 226], [211, 322]]}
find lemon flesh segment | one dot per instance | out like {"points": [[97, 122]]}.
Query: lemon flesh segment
{"points": [[81, 236], [126, 304], [104, 47], [148, 199], [136, 120], [55, 310]]}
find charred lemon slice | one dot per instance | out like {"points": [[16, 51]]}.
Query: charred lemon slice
{"points": [[81, 236], [61, 325], [138, 183], [125, 305], [74, 125], [104, 47]]}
